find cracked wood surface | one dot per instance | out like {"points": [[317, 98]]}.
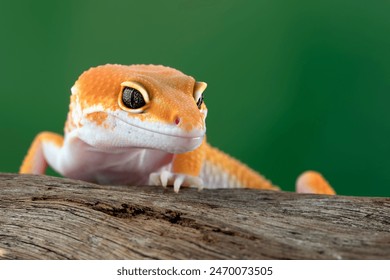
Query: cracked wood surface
{"points": [[44, 217]]}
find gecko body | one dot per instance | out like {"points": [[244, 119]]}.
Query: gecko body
{"points": [[143, 124]]}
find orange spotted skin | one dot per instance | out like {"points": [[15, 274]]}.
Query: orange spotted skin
{"points": [[98, 117], [162, 142]]}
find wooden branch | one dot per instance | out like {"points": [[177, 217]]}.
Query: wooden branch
{"points": [[44, 217]]}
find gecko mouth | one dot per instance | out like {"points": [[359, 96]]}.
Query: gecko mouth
{"points": [[194, 135]]}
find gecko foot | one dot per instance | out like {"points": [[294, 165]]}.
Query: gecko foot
{"points": [[176, 180]]}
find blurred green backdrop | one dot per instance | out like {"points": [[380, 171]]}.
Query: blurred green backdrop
{"points": [[293, 85]]}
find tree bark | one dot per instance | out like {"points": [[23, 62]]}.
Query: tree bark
{"points": [[44, 217]]}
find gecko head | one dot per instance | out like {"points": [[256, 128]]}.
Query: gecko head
{"points": [[139, 106]]}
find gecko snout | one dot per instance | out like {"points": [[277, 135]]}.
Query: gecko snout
{"points": [[186, 123]]}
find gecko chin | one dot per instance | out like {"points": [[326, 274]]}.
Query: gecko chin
{"points": [[160, 141]]}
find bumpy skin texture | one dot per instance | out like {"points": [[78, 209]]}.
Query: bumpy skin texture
{"points": [[161, 142]]}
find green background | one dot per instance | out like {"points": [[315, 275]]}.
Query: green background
{"points": [[293, 85]]}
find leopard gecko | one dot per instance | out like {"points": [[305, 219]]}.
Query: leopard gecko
{"points": [[144, 124]]}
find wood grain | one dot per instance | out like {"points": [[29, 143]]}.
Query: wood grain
{"points": [[44, 217]]}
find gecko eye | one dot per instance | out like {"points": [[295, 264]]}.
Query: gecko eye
{"points": [[200, 101], [132, 98], [199, 88]]}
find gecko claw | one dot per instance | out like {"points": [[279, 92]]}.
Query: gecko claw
{"points": [[177, 184], [164, 178]]}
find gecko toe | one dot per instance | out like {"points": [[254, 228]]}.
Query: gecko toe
{"points": [[178, 182], [165, 176]]}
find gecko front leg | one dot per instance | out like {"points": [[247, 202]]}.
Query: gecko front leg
{"points": [[44, 149], [185, 171]]}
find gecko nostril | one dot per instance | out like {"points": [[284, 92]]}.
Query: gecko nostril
{"points": [[177, 120]]}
